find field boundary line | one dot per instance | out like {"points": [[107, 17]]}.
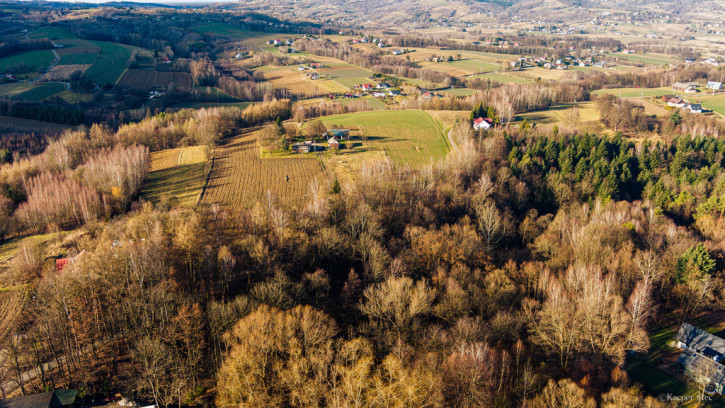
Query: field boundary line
{"points": [[207, 177]]}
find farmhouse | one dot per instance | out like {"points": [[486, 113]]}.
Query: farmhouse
{"points": [[394, 92], [332, 143], [482, 123], [694, 107], [676, 102], [382, 85], [316, 65], [315, 76], [714, 85], [61, 263], [304, 147], [686, 87], [701, 356], [339, 133], [379, 94], [366, 87]]}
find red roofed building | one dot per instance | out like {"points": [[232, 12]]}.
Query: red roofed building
{"points": [[482, 123], [62, 263]]}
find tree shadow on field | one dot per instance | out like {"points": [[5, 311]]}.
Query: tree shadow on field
{"points": [[179, 181]]}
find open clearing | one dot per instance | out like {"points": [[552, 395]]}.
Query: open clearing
{"points": [[411, 137], [250, 37], [41, 92], [504, 78], [10, 90], [28, 124], [582, 115], [462, 67], [63, 72], [296, 82], [176, 173], [81, 58], [647, 59], [241, 178], [38, 60]]}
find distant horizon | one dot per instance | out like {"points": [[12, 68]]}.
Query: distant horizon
{"points": [[165, 2]]}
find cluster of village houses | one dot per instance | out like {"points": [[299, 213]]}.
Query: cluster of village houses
{"points": [[689, 88]]}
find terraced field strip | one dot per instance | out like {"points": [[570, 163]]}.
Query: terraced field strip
{"points": [[240, 178], [176, 173]]}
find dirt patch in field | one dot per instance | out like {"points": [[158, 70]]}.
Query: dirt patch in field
{"points": [[78, 50], [64, 72]]}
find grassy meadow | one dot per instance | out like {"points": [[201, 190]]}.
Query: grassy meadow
{"points": [[39, 60], [408, 137], [41, 92]]}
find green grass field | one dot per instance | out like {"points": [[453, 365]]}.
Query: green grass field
{"points": [[458, 91], [635, 92], [9, 247], [78, 59], [21, 123], [39, 60], [256, 37], [52, 33], [176, 173], [470, 65], [10, 90], [110, 65], [408, 137], [647, 59], [712, 102], [504, 78], [41, 92]]}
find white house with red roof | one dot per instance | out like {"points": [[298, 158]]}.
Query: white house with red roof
{"points": [[482, 123]]}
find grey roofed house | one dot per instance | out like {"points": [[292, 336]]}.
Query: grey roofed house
{"points": [[52, 399], [688, 87], [694, 108], [703, 369], [701, 355], [696, 339]]}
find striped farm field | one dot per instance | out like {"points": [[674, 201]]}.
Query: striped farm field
{"points": [[178, 174], [110, 64], [240, 178], [11, 301], [146, 80], [409, 137]]}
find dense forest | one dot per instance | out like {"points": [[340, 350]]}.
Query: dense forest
{"points": [[467, 283]]}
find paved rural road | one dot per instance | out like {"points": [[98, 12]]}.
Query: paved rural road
{"points": [[54, 63]]}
